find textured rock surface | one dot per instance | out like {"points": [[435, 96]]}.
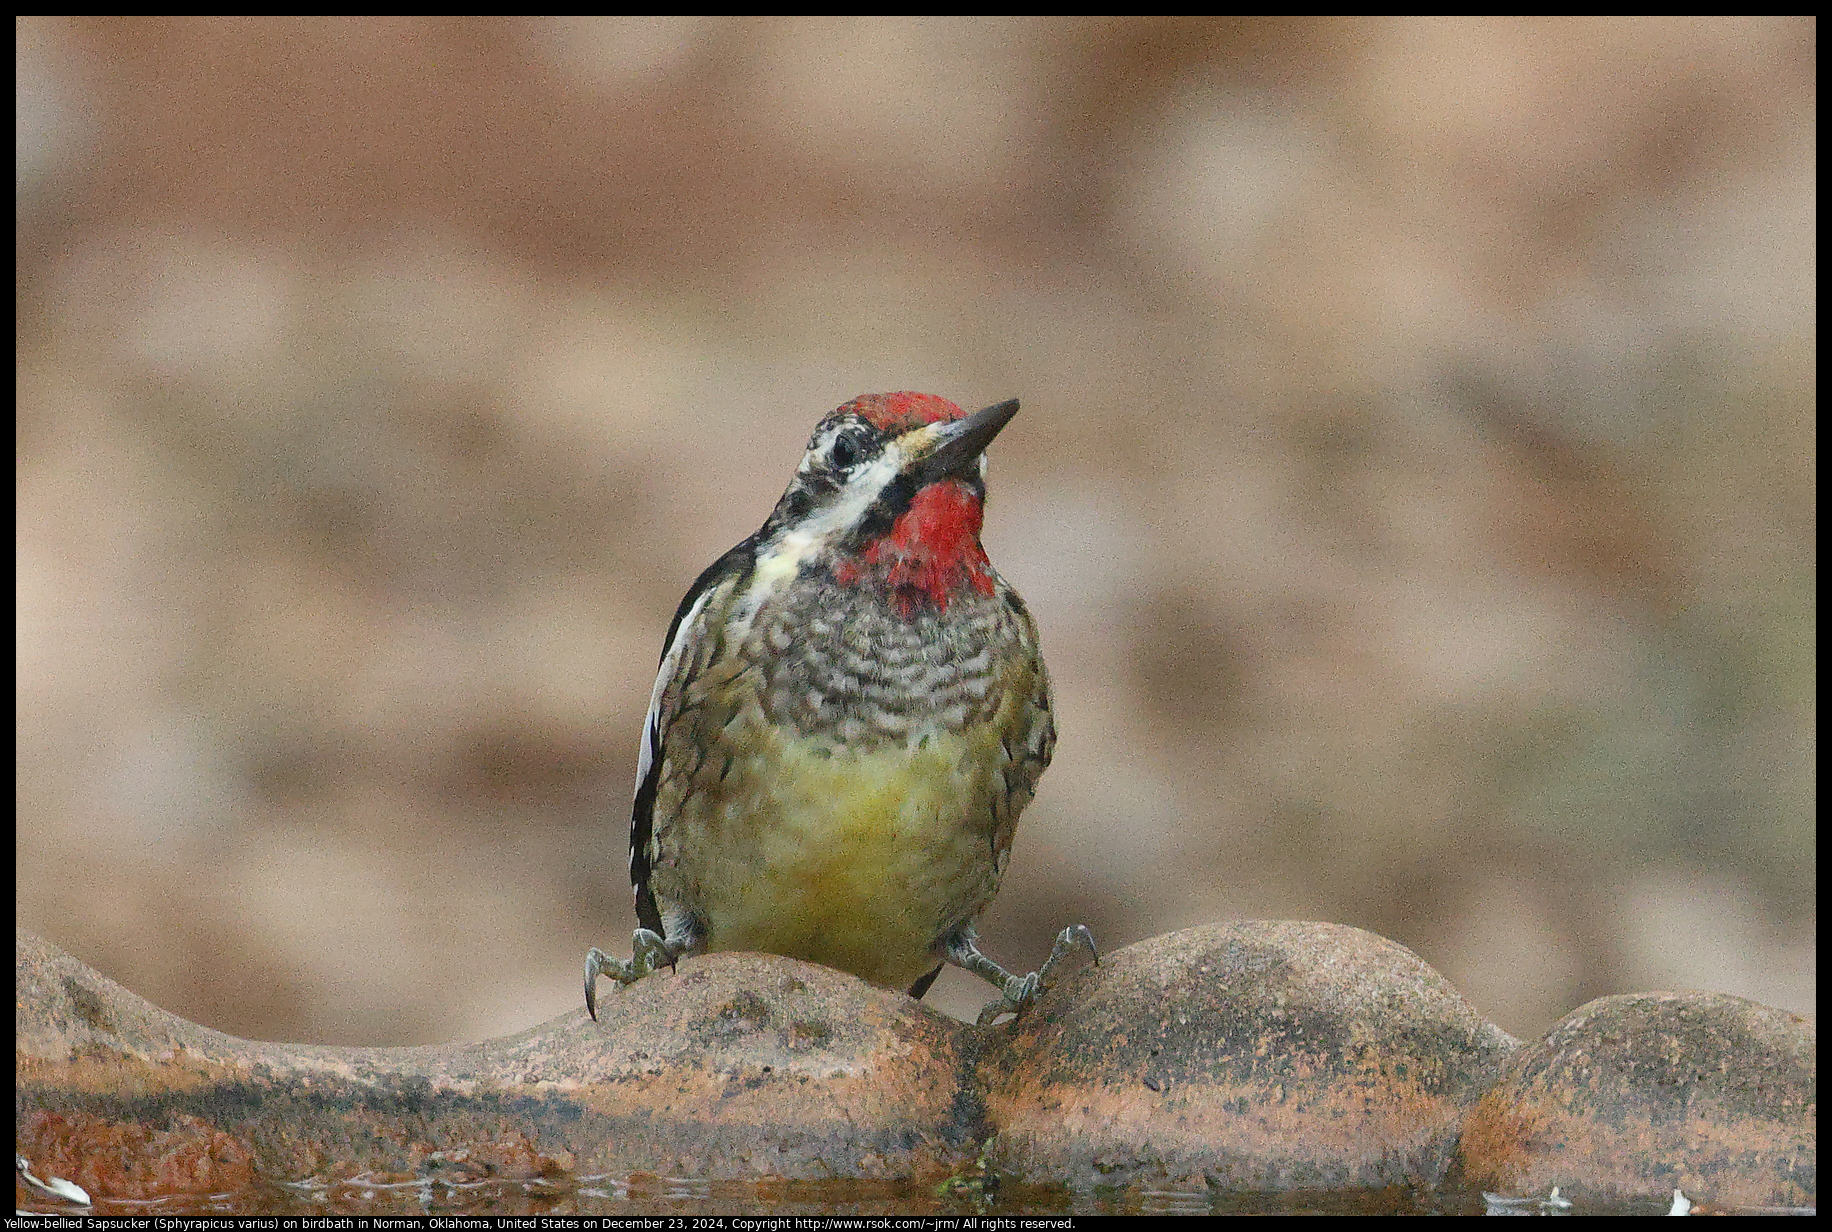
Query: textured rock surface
{"points": [[1637, 1095], [1266, 1056], [736, 1065], [1251, 1058]]}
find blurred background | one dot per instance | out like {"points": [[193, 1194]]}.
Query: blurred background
{"points": [[1415, 486]]}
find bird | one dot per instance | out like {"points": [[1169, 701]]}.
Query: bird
{"points": [[850, 713]]}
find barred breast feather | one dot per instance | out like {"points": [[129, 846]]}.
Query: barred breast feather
{"points": [[827, 776]]}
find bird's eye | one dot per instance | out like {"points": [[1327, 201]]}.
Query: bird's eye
{"points": [[845, 451]]}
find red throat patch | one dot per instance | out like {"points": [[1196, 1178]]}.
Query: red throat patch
{"points": [[931, 554]]}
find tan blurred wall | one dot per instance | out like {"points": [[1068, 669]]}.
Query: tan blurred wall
{"points": [[1415, 484]]}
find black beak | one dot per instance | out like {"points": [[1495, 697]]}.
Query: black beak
{"points": [[963, 441]]}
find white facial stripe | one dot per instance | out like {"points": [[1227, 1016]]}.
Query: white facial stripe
{"points": [[806, 541], [862, 488]]}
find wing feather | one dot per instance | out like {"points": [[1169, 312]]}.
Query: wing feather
{"points": [[681, 657]]}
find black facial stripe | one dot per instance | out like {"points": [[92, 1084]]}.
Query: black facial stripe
{"points": [[809, 491], [894, 501], [891, 504], [796, 505]]}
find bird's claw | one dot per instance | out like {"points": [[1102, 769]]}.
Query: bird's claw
{"points": [[1019, 994], [648, 951], [1067, 941], [1021, 991]]}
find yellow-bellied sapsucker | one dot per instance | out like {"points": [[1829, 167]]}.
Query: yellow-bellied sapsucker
{"points": [[850, 715]]}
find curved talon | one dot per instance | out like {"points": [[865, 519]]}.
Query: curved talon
{"points": [[1066, 942], [597, 963]]}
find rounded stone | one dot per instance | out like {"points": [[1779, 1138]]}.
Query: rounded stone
{"points": [[1632, 1097], [733, 1066], [1262, 1056]]}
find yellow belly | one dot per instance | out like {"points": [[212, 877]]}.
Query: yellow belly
{"points": [[855, 860]]}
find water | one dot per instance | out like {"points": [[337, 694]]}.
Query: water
{"points": [[679, 1196]]}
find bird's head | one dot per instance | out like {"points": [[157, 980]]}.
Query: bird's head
{"points": [[891, 494]]}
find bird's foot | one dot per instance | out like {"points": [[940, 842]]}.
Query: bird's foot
{"points": [[649, 950], [1020, 992]]}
